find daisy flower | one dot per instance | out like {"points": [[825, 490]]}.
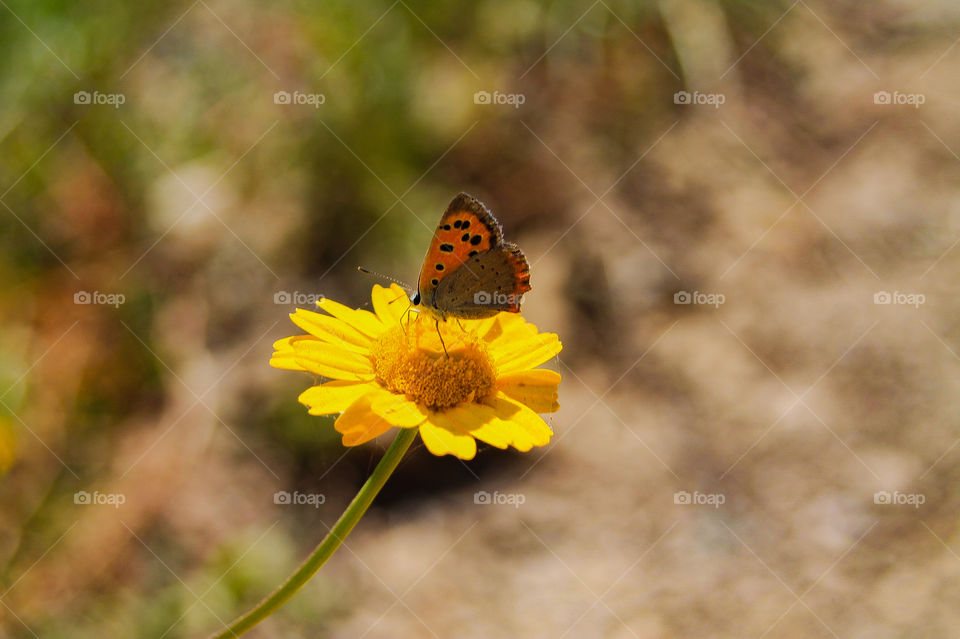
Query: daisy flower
{"points": [[389, 369]]}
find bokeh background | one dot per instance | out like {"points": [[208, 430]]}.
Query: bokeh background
{"points": [[155, 235]]}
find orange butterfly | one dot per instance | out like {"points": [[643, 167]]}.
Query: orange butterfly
{"points": [[469, 271]]}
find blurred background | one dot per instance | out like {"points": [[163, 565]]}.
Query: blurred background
{"points": [[742, 219]]}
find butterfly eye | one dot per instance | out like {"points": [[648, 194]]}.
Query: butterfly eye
{"points": [[416, 299]]}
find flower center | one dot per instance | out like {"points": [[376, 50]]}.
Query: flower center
{"points": [[410, 360]]}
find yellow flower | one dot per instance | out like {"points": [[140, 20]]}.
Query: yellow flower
{"points": [[389, 369]]}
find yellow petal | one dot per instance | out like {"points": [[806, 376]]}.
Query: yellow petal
{"points": [[284, 355], [479, 421], [481, 328], [443, 440], [335, 396], [332, 361], [332, 330], [536, 388], [526, 354], [397, 409], [504, 328], [528, 428], [390, 304], [359, 424], [511, 336], [364, 321]]}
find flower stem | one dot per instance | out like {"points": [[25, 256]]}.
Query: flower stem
{"points": [[330, 543]]}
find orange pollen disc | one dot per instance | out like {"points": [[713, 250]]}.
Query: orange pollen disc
{"points": [[411, 361]]}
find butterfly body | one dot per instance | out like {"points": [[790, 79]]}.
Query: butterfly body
{"points": [[469, 272]]}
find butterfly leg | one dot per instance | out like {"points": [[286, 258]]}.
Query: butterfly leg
{"points": [[407, 318], [440, 335]]}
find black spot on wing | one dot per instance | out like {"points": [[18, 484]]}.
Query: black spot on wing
{"points": [[472, 253], [434, 281], [457, 224], [475, 240], [446, 248], [446, 227], [465, 237], [464, 202], [439, 267]]}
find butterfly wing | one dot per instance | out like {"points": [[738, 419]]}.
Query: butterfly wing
{"points": [[487, 283], [466, 230]]}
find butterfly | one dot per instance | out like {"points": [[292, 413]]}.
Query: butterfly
{"points": [[469, 272]]}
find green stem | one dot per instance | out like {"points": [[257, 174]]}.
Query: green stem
{"points": [[330, 543]]}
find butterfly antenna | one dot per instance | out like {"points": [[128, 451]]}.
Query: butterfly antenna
{"points": [[402, 285]]}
